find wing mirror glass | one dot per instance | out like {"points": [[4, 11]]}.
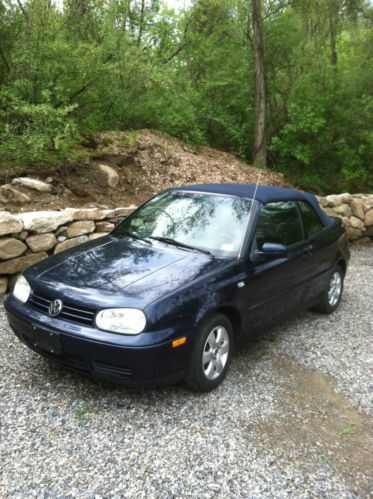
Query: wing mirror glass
{"points": [[273, 250]]}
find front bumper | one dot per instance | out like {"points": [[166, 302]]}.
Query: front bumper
{"points": [[147, 358]]}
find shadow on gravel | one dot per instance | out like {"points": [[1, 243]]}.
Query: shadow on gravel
{"points": [[311, 418]]}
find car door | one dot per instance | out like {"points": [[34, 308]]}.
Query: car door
{"points": [[273, 288], [317, 264]]}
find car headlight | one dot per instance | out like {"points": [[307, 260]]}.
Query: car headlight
{"points": [[22, 289], [121, 320]]}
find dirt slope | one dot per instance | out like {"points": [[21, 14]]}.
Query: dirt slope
{"points": [[147, 162]]}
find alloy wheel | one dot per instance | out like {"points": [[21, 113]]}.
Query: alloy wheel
{"points": [[215, 352], [335, 289]]}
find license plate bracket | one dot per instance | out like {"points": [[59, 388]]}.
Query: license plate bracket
{"points": [[47, 340]]}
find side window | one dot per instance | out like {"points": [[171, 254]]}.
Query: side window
{"points": [[311, 221], [279, 223]]}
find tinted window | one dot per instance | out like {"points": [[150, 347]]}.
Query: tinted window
{"points": [[311, 221], [279, 223], [213, 222]]}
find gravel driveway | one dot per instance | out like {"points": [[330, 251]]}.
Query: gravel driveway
{"points": [[291, 419]]}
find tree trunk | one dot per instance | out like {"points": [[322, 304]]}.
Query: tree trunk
{"points": [[260, 142], [141, 22], [332, 19]]}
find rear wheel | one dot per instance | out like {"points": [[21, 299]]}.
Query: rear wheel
{"points": [[332, 295], [211, 355]]}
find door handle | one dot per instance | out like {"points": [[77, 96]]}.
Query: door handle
{"points": [[307, 253]]}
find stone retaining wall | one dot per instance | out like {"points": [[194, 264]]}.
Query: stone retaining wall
{"points": [[27, 238], [356, 212]]}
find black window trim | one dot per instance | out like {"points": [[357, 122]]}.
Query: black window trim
{"points": [[302, 220]]}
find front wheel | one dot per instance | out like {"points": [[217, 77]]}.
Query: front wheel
{"points": [[332, 295], [211, 355]]}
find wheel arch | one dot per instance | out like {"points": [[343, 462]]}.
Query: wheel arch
{"points": [[232, 314], [342, 263]]}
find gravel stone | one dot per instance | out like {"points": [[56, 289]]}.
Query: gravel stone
{"points": [[291, 419]]}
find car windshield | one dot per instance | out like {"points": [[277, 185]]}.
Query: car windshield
{"points": [[207, 222]]}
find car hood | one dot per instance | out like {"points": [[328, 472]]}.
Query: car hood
{"points": [[117, 272]]}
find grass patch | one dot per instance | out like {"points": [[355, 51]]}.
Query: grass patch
{"points": [[129, 140], [81, 412], [348, 430]]}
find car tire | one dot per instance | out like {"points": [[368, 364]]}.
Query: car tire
{"points": [[331, 297], [211, 355]]}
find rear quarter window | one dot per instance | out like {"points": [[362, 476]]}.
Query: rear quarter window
{"points": [[311, 220]]}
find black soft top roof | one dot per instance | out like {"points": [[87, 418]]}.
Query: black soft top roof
{"points": [[264, 194]]}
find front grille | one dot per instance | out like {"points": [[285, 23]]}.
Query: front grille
{"points": [[79, 315], [81, 364], [114, 371]]}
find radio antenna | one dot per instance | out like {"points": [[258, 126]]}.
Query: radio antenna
{"points": [[255, 191], [250, 212], [257, 183]]}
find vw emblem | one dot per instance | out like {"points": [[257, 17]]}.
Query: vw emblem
{"points": [[55, 308]]}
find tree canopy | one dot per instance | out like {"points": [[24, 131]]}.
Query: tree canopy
{"points": [[76, 66]]}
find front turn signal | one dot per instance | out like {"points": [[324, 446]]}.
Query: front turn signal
{"points": [[178, 342]]}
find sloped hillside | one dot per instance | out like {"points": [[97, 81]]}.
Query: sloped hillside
{"points": [[123, 168]]}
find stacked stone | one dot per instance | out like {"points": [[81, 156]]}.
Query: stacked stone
{"points": [[355, 211], [27, 238]]}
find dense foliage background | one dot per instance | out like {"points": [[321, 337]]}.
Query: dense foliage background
{"points": [[78, 66]]}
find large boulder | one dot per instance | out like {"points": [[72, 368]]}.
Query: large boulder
{"points": [[32, 183], [41, 242], [333, 200], [367, 202], [357, 223], [346, 197], [9, 224], [11, 248], [10, 195], [97, 235], [343, 210], [121, 212], [369, 218], [44, 221], [107, 176], [105, 226], [70, 243], [80, 228], [357, 208], [21, 263], [87, 213]]}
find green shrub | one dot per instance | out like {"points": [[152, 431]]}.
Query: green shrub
{"points": [[32, 132]]}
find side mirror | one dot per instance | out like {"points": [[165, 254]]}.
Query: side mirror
{"points": [[273, 250]]}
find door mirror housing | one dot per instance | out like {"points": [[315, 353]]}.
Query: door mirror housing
{"points": [[273, 250]]}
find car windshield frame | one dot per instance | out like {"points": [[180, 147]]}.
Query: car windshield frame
{"points": [[123, 229]]}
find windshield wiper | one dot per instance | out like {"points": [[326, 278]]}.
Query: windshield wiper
{"points": [[179, 244], [136, 236]]}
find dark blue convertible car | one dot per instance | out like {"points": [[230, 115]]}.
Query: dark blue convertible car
{"points": [[169, 293]]}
